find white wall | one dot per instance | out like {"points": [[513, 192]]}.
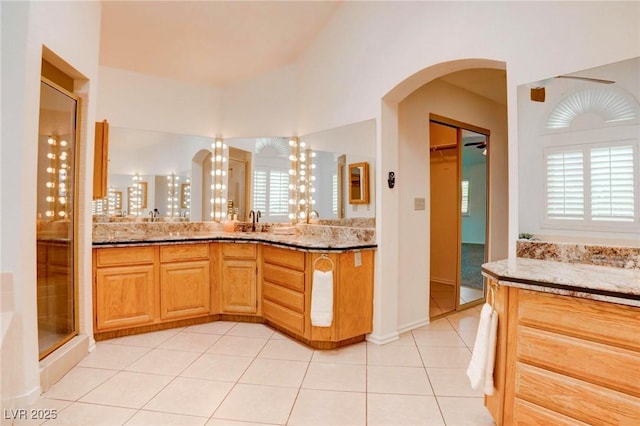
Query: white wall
{"points": [[139, 101], [74, 37]]}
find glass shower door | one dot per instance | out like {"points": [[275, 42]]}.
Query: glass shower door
{"points": [[55, 222]]}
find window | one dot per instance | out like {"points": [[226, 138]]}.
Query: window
{"points": [[271, 192], [465, 197], [591, 185]]}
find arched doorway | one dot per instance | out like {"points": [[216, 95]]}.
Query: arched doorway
{"points": [[402, 281]]}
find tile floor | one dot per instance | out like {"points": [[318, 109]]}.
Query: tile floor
{"points": [[226, 373]]}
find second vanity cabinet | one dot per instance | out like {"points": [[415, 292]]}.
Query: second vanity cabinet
{"points": [[565, 360]]}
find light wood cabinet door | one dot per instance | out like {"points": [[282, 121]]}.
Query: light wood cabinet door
{"points": [[238, 291], [124, 296], [184, 289]]}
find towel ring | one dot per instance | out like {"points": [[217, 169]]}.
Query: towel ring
{"points": [[323, 256]]}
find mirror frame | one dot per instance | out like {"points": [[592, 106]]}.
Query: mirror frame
{"points": [[364, 183]]}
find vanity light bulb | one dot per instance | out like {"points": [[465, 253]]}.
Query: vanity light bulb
{"points": [[292, 172], [313, 202], [50, 199], [302, 166], [313, 166], [218, 157], [213, 172], [303, 201], [224, 173], [63, 166], [63, 143], [218, 172], [212, 187], [302, 144], [211, 200], [292, 142], [217, 200], [223, 200], [292, 216], [218, 144], [63, 156], [292, 186], [303, 157], [51, 170], [292, 201], [303, 215], [50, 184], [302, 172], [51, 155], [49, 213], [313, 178], [313, 190], [313, 154], [62, 214], [211, 214], [224, 187], [62, 200], [218, 186], [292, 157], [51, 141], [302, 188]]}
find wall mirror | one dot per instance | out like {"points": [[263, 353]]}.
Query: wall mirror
{"points": [[578, 150], [358, 183]]}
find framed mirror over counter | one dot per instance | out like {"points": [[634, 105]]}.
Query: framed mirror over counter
{"points": [[359, 183]]}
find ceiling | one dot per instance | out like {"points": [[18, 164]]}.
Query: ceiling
{"points": [[218, 43], [488, 83], [208, 42]]}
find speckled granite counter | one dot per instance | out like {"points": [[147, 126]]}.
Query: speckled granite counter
{"points": [[307, 238], [604, 283]]}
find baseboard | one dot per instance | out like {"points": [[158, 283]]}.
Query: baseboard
{"points": [[413, 325], [383, 340], [26, 399]]}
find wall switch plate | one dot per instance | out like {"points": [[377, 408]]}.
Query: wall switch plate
{"points": [[357, 259], [419, 203]]}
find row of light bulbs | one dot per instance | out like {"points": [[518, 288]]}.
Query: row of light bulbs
{"points": [[58, 173], [301, 178], [219, 167]]}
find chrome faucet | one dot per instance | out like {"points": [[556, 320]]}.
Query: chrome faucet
{"points": [[314, 212], [255, 218]]}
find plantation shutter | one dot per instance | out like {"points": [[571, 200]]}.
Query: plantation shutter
{"points": [[612, 189], [260, 190], [465, 197], [278, 193], [565, 185]]}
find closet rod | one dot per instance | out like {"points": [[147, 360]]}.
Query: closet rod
{"points": [[441, 147]]}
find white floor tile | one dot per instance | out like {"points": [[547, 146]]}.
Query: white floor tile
{"points": [[78, 382], [127, 389], [465, 320], [162, 361], [275, 372], [410, 410], [145, 340], [328, 408], [465, 411], [194, 397], [190, 342], [247, 329], [468, 337], [225, 422], [112, 357], [445, 357], [440, 324], [437, 338], [80, 414], [286, 349], [238, 346], [393, 355], [352, 354], [398, 380], [225, 368], [255, 403], [215, 327], [340, 377], [451, 382], [147, 418]]}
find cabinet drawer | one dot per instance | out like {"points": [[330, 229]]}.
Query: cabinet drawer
{"points": [[283, 317], [574, 398], [284, 277], [589, 319], [184, 252], [239, 250], [291, 259], [284, 296], [608, 366], [526, 413], [124, 256]]}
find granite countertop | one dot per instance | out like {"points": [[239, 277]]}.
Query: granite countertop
{"points": [[296, 241], [609, 284]]}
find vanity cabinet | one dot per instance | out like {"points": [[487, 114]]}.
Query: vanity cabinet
{"points": [[568, 361], [184, 281], [124, 287], [238, 285], [283, 288]]}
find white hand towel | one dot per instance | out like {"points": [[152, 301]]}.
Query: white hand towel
{"points": [[478, 363], [322, 299], [491, 354]]}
